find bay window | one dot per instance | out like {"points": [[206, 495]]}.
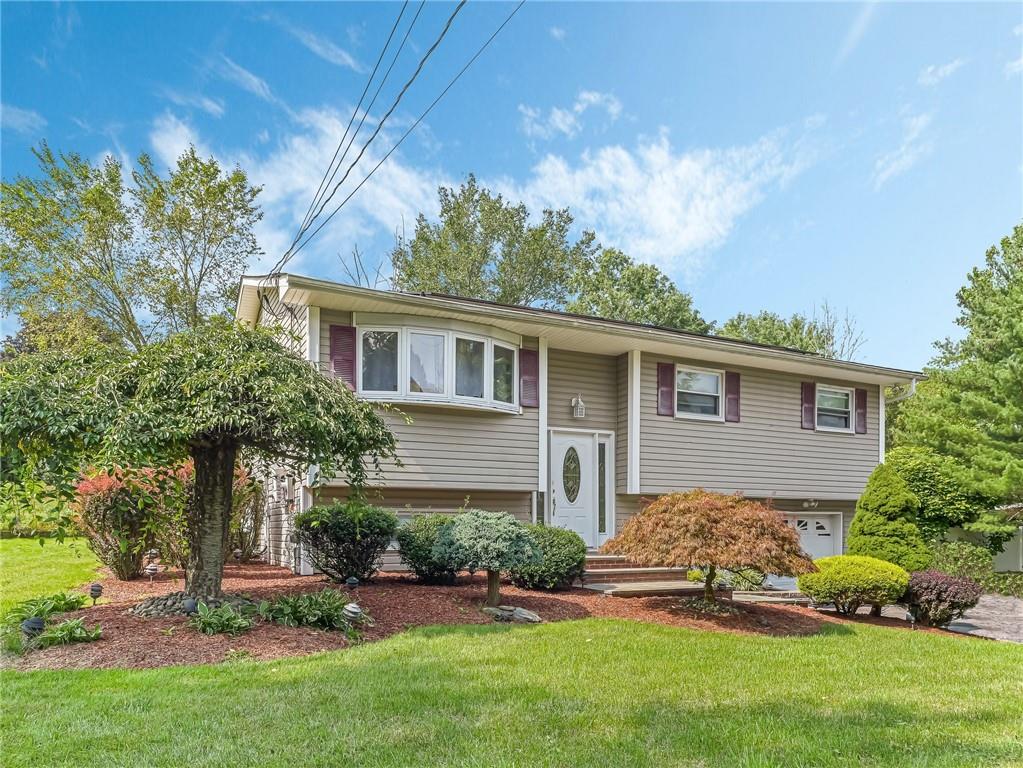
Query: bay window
{"points": [[437, 366]]}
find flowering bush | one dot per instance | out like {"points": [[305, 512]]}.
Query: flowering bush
{"points": [[850, 581], [712, 532], [936, 599], [118, 513], [562, 559]]}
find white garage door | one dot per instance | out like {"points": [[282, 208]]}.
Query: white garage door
{"points": [[817, 534]]}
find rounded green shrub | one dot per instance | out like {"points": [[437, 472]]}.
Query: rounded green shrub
{"points": [[849, 581], [416, 541], [562, 559], [346, 538]]}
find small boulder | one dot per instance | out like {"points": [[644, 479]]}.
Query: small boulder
{"points": [[523, 616]]}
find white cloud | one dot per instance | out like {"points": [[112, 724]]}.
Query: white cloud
{"points": [[659, 204], [557, 33], [248, 81], [237, 74], [210, 106], [170, 137], [1018, 30], [25, 121], [663, 205], [933, 74], [566, 121], [1014, 67], [320, 46], [856, 30], [915, 146]]}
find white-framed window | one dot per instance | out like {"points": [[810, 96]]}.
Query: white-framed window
{"points": [[699, 393], [834, 409], [412, 364], [505, 374], [379, 360]]}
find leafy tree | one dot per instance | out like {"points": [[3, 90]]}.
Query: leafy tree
{"points": [[825, 333], [206, 394], [944, 501], [615, 286], [484, 247], [486, 541], [141, 259], [57, 330], [884, 525], [971, 408], [711, 531]]}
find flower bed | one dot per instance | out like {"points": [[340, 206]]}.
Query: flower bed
{"points": [[394, 602]]}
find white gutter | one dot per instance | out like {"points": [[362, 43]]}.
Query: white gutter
{"points": [[905, 395]]}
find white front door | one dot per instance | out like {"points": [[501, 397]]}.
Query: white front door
{"points": [[573, 482]]}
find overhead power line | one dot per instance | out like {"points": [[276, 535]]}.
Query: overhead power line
{"points": [[376, 131], [462, 71]]}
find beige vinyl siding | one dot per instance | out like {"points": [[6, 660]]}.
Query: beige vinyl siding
{"points": [[407, 503], [454, 448], [594, 377], [627, 505], [765, 454]]}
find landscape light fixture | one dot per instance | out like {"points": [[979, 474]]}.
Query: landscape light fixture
{"points": [[95, 592], [150, 571], [33, 626], [351, 582]]}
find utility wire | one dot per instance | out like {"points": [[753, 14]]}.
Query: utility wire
{"points": [[394, 105], [324, 181], [404, 136]]}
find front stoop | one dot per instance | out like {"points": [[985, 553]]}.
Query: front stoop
{"points": [[614, 575], [671, 588]]}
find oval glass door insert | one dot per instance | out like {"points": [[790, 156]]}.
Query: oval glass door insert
{"points": [[570, 474]]}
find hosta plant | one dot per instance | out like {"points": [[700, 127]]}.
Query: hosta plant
{"points": [[223, 620]]}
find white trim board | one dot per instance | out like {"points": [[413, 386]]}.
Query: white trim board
{"points": [[634, 401]]}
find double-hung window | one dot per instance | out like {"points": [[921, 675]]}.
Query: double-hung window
{"points": [[834, 409], [437, 365], [698, 393]]}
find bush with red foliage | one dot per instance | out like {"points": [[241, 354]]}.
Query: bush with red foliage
{"points": [[711, 531], [119, 513], [936, 599]]}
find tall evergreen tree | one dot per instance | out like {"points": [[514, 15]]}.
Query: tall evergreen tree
{"points": [[884, 524], [971, 409]]}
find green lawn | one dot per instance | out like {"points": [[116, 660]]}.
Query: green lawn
{"points": [[30, 570], [593, 692]]}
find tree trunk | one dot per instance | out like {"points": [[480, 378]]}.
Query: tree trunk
{"points": [[210, 518], [875, 610], [708, 584], [493, 588]]}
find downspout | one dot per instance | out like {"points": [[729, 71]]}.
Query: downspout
{"points": [[904, 395]]}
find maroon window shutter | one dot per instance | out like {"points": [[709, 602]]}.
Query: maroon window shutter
{"points": [[861, 412], [731, 396], [665, 389], [342, 353], [529, 378], [809, 405]]}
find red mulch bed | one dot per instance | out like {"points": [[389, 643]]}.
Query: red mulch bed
{"points": [[395, 602]]}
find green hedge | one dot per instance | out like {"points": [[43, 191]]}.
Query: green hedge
{"points": [[416, 541], [562, 559], [850, 581], [346, 538]]}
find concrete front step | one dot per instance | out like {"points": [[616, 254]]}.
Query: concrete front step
{"points": [[632, 573], [669, 588]]}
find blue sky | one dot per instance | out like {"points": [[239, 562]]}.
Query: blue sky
{"points": [[767, 156]]}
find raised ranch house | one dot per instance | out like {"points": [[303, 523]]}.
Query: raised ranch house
{"points": [[574, 421]]}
